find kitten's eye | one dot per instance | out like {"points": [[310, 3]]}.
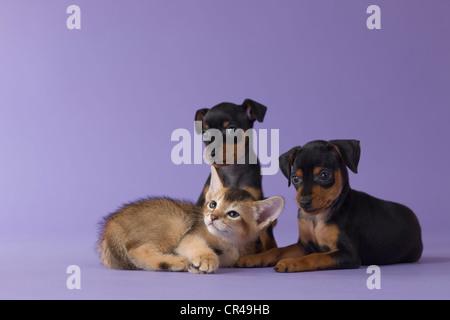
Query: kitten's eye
{"points": [[233, 214], [231, 129], [296, 179], [324, 175], [213, 204]]}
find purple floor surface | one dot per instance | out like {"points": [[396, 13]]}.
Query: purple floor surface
{"points": [[37, 269]]}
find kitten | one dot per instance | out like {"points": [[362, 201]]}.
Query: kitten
{"points": [[167, 235]]}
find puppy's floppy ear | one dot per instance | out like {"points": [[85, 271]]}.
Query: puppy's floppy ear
{"points": [[286, 161], [349, 151], [200, 116], [254, 110]]}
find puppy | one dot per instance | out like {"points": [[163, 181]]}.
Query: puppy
{"points": [[339, 227], [241, 173]]}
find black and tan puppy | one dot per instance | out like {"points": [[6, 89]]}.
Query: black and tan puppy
{"points": [[244, 174], [339, 227]]}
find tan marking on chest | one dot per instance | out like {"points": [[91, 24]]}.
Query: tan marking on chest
{"points": [[321, 234]]}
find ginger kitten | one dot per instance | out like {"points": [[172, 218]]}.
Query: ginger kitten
{"points": [[167, 235]]}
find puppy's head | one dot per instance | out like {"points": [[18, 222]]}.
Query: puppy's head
{"points": [[228, 118], [318, 171]]}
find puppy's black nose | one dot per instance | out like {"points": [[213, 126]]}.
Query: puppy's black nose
{"points": [[305, 203]]}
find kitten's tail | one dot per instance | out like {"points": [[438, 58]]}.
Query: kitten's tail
{"points": [[113, 254]]}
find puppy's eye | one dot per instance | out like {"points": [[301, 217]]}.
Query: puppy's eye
{"points": [[324, 175], [233, 214], [213, 204], [231, 129], [296, 179]]}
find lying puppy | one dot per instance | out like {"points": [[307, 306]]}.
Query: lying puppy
{"points": [[339, 227]]}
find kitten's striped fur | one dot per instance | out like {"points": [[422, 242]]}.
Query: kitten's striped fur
{"points": [[167, 235]]}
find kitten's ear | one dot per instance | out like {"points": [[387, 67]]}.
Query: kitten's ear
{"points": [[215, 183], [268, 210]]}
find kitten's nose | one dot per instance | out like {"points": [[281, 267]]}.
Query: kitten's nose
{"points": [[214, 217]]}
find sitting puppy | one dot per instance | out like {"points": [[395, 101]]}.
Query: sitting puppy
{"points": [[240, 173], [339, 227]]}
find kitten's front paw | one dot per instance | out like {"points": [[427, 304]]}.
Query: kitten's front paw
{"points": [[180, 264], [204, 264]]}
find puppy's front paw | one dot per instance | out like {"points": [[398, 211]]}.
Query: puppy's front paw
{"points": [[207, 263], [256, 261], [290, 265]]}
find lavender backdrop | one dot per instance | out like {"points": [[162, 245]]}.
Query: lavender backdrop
{"points": [[86, 115]]}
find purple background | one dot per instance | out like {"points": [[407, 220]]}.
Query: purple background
{"points": [[86, 118]]}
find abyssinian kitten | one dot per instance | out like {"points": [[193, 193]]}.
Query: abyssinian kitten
{"points": [[167, 235]]}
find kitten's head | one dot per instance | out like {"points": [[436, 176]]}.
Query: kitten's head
{"points": [[234, 214]]}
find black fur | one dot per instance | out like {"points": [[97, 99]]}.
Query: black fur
{"points": [[235, 175], [371, 230], [242, 117]]}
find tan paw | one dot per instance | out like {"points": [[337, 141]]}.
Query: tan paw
{"points": [[180, 264], [204, 264], [174, 264], [290, 265], [256, 261]]}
